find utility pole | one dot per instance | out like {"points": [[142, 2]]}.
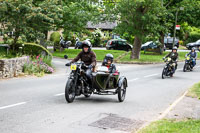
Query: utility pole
{"points": [[175, 28], [181, 8]]}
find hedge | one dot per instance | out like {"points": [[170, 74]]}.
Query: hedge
{"points": [[33, 49]]}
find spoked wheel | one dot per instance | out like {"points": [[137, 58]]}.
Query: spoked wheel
{"points": [[122, 92], [185, 68], [191, 68], [164, 73], [69, 91]]}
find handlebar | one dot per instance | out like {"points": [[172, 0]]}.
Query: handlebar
{"points": [[77, 63]]}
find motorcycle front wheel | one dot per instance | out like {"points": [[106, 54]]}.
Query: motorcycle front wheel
{"points": [[185, 68], [69, 91], [164, 72]]}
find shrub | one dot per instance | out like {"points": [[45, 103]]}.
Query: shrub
{"points": [[33, 49], [38, 66], [194, 36], [70, 36], [55, 37]]}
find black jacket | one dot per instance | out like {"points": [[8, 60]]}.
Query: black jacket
{"points": [[173, 55], [111, 68]]}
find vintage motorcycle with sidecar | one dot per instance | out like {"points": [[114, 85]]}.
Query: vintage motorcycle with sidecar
{"points": [[103, 83]]}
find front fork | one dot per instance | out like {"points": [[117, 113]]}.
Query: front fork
{"points": [[74, 77]]}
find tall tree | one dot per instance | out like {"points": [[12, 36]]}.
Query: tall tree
{"points": [[25, 18], [77, 13], [137, 17]]}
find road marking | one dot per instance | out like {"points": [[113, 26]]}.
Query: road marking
{"points": [[60, 94], [133, 80], [151, 75], [12, 105], [179, 69]]}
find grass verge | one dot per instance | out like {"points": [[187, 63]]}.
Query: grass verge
{"points": [[173, 126], [150, 57], [194, 91], [72, 53]]}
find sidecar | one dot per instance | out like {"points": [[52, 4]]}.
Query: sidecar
{"points": [[106, 83]]}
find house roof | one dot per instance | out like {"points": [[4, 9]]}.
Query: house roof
{"points": [[105, 25]]}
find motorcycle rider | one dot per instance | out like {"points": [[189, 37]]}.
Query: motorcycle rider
{"points": [[174, 56], [88, 57], [193, 55], [108, 62]]}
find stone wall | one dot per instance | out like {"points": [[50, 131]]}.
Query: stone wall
{"points": [[12, 67]]}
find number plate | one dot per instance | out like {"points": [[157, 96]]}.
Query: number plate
{"points": [[73, 67]]}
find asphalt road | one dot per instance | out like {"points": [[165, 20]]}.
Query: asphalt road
{"points": [[37, 105]]}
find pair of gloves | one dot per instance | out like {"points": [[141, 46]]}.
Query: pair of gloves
{"points": [[83, 66]]}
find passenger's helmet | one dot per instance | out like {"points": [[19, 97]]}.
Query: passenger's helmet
{"points": [[109, 57], [87, 43]]}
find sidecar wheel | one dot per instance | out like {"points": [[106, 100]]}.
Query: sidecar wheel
{"points": [[69, 91], [122, 92]]}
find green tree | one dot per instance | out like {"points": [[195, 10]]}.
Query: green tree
{"points": [[76, 15], [24, 17], [138, 18]]}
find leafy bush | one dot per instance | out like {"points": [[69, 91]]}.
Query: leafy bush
{"points": [[33, 49], [55, 38], [49, 43], [96, 35], [70, 36], [193, 36], [38, 66]]}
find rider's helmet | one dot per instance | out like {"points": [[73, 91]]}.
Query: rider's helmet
{"points": [[77, 39], [174, 48], [88, 44], [193, 49], [109, 57]]}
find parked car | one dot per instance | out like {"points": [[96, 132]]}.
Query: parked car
{"points": [[118, 44], [168, 41], [193, 44], [150, 45]]}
